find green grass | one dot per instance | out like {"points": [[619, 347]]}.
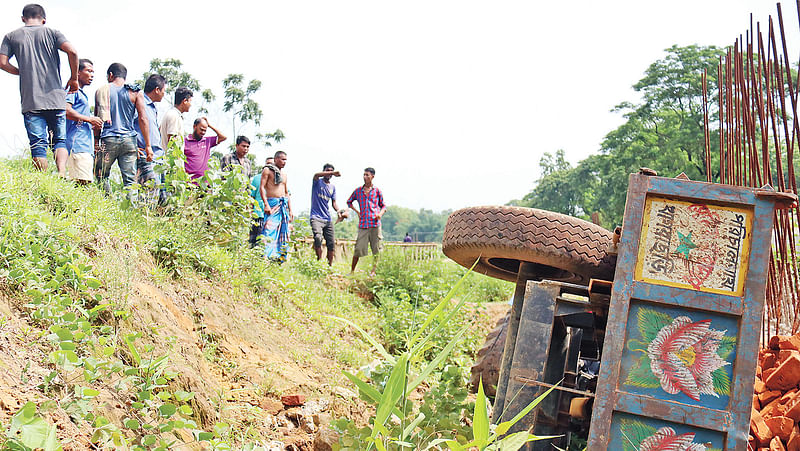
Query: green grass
{"points": [[179, 252]]}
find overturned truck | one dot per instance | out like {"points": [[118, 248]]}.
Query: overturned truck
{"points": [[649, 334]]}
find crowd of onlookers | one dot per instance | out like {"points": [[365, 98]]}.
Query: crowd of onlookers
{"points": [[124, 127]]}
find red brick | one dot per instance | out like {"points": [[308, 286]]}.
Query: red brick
{"points": [[776, 445], [786, 376], [769, 396], [769, 361], [781, 427], [767, 374], [784, 354], [762, 433], [293, 400], [769, 409], [794, 440], [792, 342], [793, 408], [788, 396]]}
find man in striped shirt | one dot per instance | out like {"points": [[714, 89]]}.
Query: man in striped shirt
{"points": [[370, 209]]}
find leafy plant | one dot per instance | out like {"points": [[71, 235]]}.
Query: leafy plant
{"points": [[408, 370], [29, 431]]}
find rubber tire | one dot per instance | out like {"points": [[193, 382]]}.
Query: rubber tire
{"points": [[562, 247], [487, 360]]}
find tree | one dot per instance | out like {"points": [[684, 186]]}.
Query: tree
{"points": [[397, 221], [557, 189], [239, 100], [172, 70], [663, 132]]}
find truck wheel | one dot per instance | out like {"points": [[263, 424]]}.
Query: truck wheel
{"points": [[487, 360], [563, 248]]}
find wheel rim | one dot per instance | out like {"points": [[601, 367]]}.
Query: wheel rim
{"points": [[510, 266]]}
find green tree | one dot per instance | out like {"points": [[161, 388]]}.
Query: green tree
{"points": [[428, 226], [172, 70], [664, 131], [558, 188], [239, 101]]}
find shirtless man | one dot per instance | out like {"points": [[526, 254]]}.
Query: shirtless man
{"points": [[277, 208]]}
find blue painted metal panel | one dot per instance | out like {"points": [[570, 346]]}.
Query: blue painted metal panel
{"points": [[682, 337]]}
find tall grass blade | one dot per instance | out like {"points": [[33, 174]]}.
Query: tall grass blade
{"points": [[503, 427], [378, 347], [391, 393], [480, 419], [370, 391], [438, 360], [440, 307], [410, 428]]}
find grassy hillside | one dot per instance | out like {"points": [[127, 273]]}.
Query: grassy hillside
{"points": [[127, 328]]}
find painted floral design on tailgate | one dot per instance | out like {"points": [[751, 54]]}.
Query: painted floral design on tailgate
{"points": [[680, 355], [638, 436]]}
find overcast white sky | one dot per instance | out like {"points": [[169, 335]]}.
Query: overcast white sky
{"points": [[452, 102]]}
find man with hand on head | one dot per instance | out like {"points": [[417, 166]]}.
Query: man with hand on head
{"points": [[80, 126], [197, 147], [39, 68]]}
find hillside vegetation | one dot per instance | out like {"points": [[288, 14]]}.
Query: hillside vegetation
{"points": [[124, 328]]}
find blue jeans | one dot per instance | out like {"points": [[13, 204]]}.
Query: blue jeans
{"points": [[145, 172], [121, 149], [37, 124]]}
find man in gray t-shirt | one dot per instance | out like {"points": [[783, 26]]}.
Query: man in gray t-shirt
{"points": [[43, 98]]}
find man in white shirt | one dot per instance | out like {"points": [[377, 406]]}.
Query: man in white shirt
{"points": [[172, 123]]}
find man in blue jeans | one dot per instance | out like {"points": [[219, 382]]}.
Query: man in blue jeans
{"points": [[154, 88], [118, 104], [43, 98]]}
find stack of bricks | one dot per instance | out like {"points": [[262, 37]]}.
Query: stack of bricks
{"points": [[775, 419]]}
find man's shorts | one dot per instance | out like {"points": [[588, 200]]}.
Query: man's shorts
{"points": [[323, 229], [368, 238], [80, 165], [37, 124]]}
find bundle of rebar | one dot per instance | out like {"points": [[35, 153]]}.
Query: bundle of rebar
{"points": [[757, 104]]}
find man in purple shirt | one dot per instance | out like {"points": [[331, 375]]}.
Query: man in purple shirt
{"points": [[322, 192], [370, 209], [197, 147]]}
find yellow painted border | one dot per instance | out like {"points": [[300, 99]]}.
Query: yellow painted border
{"points": [[743, 263]]}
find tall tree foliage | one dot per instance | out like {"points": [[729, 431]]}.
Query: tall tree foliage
{"points": [[172, 70], [239, 100], [663, 131]]}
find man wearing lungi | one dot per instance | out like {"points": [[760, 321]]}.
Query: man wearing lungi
{"points": [[277, 208]]}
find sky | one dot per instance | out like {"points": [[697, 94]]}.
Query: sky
{"points": [[452, 102]]}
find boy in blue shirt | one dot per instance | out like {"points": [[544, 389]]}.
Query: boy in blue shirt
{"points": [[80, 122]]}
